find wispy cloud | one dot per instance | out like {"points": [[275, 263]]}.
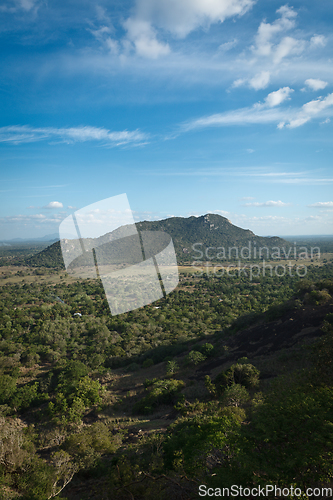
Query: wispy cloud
{"points": [[17, 134], [270, 203], [17, 5], [264, 113], [322, 204], [318, 41]]}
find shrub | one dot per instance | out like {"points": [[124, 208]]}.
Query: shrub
{"points": [[242, 373], [171, 367], [162, 392], [194, 358]]}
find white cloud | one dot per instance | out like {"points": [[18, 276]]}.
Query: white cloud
{"points": [[224, 47], [270, 203], [17, 134], [143, 36], [267, 42], [221, 212], [315, 83], [260, 81], [317, 105], [277, 97], [262, 113], [178, 18], [54, 204], [288, 45], [101, 32], [322, 204], [318, 41], [266, 31], [239, 82]]}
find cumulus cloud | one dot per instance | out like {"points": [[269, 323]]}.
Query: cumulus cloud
{"points": [[277, 97], [267, 42], [315, 84], [270, 203], [54, 204], [143, 36], [260, 81], [176, 18], [180, 17], [17, 134]]}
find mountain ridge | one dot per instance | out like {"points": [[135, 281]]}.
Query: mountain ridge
{"points": [[209, 231]]}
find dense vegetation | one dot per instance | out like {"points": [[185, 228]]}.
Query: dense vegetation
{"points": [[155, 402]]}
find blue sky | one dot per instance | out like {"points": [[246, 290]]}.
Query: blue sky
{"points": [[188, 106]]}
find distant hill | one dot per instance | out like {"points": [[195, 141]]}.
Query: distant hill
{"points": [[191, 237], [48, 238]]}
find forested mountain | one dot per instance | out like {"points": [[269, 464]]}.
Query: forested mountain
{"points": [[191, 236]]}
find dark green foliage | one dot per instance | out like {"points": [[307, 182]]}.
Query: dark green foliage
{"points": [[50, 257], [7, 388], [191, 440], [243, 374], [160, 392], [289, 440], [195, 358], [208, 350], [53, 366], [172, 367], [88, 445]]}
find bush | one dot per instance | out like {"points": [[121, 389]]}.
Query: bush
{"points": [[235, 395], [89, 444], [208, 350], [162, 392], [194, 358], [241, 373], [171, 367]]}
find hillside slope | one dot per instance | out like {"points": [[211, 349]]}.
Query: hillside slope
{"points": [[190, 236]]}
